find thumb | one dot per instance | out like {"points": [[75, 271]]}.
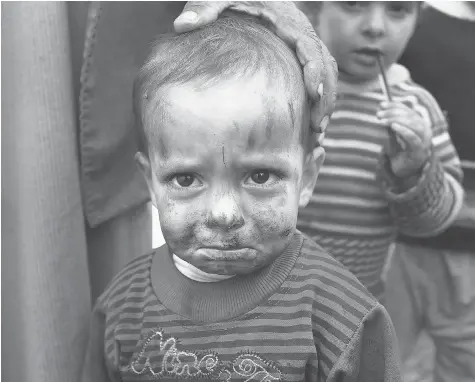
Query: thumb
{"points": [[198, 13], [393, 147]]}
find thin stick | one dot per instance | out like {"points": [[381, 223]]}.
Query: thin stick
{"points": [[393, 141], [385, 80]]}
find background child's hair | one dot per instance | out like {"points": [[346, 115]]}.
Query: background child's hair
{"points": [[230, 48], [313, 8]]}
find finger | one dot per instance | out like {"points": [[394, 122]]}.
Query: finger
{"points": [[328, 99], [395, 112], [393, 146], [407, 135], [319, 67], [320, 77], [331, 79], [395, 104], [411, 123], [318, 121], [198, 13], [292, 26]]}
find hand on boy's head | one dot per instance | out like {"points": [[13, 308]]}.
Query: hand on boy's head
{"points": [[414, 135], [292, 26]]}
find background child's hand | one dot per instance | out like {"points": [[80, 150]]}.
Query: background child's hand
{"points": [[414, 138]]}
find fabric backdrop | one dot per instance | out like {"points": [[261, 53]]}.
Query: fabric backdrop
{"points": [[74, 209]]}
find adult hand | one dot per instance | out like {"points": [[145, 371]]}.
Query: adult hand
{"points": [[292, 26]]}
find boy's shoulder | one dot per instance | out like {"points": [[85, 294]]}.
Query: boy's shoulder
{"points": [[135, 274], [331, 280]]}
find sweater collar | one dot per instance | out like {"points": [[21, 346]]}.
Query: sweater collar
{"points": [[196, 274], [211, 302]]}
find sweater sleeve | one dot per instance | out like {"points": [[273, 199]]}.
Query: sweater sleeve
{"points": [[372, 354], [95, 368], [433, 203]]}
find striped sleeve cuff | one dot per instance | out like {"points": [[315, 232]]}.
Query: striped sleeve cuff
{"points": [[422, 201]]}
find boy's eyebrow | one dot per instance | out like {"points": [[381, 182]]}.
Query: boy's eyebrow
{"points": [[251, 160], [180, 163], [266, 160]]}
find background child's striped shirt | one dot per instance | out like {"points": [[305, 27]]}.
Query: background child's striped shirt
{"points": [[353, 213]]}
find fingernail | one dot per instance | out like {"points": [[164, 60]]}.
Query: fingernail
{"points": [[320, 138], [324, 123], [384, 104], [379, 114], [188, 17], [320, 90]]}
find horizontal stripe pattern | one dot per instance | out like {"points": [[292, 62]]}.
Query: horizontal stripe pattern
{"points": [[298, 333], [349, 214]]}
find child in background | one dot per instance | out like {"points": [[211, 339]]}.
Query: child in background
{"points": [[237, 293], [435, 277], [371, 189]]}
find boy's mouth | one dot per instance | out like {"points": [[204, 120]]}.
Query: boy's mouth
{"points": [[367, 56], [227, 253], [369, 51]]}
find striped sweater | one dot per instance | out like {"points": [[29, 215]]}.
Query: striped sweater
{"points": [[303, 318], [354, 213]]}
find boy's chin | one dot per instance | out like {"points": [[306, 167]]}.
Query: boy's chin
{"points": [[358, 75]]}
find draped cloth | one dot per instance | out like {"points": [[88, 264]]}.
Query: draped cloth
{"points": [[74, 208], [45, 282]]}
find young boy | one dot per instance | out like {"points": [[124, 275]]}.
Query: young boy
{"points": [[370, 188], [237, 293]]}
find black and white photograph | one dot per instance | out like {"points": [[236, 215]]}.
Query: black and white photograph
{"points": [[238, 191]]}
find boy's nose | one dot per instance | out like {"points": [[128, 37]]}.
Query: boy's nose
{"points": [[375, 22], [225, 212]]}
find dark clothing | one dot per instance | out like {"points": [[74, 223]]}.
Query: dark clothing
{"points": [[441, 57]]}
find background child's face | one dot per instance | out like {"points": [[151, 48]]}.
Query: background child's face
{"points": [[227, 174], [355, 32]]}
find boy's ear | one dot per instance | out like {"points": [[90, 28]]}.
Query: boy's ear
{"points": [[143, 163], [313, 163]]}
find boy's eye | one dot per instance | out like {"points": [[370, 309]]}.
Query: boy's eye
{"points": [[262, 177], [400, 8], [353, 5], [184, 180]]}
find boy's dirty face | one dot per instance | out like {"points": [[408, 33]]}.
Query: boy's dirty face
{"points": [[356, 32], [226, 174]]}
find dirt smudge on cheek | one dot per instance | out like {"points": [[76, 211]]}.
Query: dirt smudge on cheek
{"points": [[286, 233], [273, 219], [178, 226]]}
